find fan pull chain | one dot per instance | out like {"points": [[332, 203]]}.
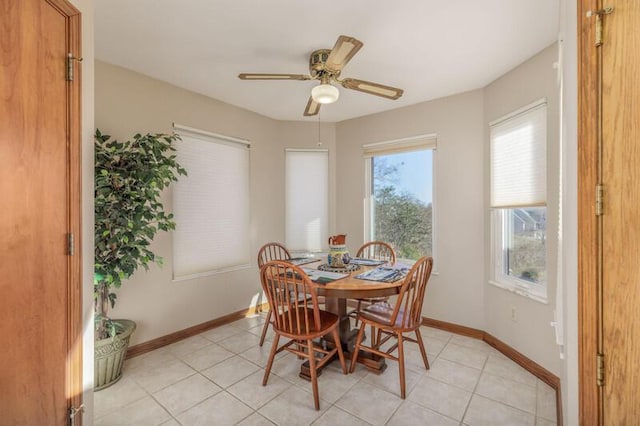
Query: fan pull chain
{"points": [[319, 140]]}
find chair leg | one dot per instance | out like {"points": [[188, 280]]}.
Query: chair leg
{"points": [[354, 357], [358, 310], [401, 365], [422, 350], [272, 355], [265, 327], [301, 347], [336, 339], [375, 338], [314, 374]]}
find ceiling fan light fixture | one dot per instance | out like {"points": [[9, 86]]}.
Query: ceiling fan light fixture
{"points": [[325, 93], [325, 66]]}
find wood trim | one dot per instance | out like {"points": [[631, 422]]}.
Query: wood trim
{"points": [[74, 365], [587, 222], [523, 361], [453, 328], [66, 8], [531, 366], [159, 342]]}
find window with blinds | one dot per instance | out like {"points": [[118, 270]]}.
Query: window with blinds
{"points": [[519, 158], [307, 199], [211, 205], [518, 144]]}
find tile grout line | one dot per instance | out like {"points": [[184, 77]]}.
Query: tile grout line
{"points": [[449, 340], [504, 403], [473, 393], [164, 408], [223, 389]]}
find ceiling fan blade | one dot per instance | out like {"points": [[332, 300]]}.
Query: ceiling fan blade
{"points": [[372, 88], [312, 107], [342, 53], [245, 76]]}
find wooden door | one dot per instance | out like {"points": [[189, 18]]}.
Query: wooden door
{"points": [[610, 305], [621, 223], [40, 317]]}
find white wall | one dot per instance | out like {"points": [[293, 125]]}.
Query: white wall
{"points": [[298, 134], [455, 292], [128, 103], [531, 332], [569, 375], [459, 292]]}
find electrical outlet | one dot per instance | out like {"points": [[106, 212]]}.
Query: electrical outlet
{"points": [[514, 316]]}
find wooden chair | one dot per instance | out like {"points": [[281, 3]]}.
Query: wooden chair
{"points": [[298, 317], [395, 321], [376, 250], [268, 252]]}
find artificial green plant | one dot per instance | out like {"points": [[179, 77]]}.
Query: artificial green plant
{"points": [[129, 179]]}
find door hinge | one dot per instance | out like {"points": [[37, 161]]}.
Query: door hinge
{"points": [[599, 199], [70, 66], [600, 369], [599, 14], [73, 412], [70, 244]]}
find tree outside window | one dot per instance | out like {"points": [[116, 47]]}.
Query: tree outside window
{"points": [[402, 202]]}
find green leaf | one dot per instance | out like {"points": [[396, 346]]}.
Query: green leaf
{"points": [[129, 179]]}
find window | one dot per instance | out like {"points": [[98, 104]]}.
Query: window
{"points": [[211, 205], [399, 198], [518, 199], [307, 199]]}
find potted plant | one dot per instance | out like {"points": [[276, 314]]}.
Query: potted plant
{"points": [[129, 179]]}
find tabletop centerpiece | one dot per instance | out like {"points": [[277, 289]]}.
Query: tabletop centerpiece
{"points": [[338, 259]]}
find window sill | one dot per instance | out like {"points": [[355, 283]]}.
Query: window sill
{"points": [[209, 273], [520, 292]]}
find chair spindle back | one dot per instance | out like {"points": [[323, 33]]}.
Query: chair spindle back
{"points": [[377, 250], [272, 251], [288, 289], [411, 296]]}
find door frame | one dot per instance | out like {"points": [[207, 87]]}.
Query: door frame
{"points": [[588, 399], [73, 367]]}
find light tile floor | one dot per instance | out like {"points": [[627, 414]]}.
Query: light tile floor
{"points": [[215, 378]]}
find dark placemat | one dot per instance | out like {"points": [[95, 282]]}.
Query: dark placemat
{"points": [[349, 268]]}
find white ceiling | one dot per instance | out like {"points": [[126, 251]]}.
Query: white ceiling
{"points": [[428, 48]]}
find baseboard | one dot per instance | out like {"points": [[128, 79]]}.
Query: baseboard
{"points": [[159, 342], [453, 328], [531, 366]]}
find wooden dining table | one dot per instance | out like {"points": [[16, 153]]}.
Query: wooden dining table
{"points": [[336, 294]]}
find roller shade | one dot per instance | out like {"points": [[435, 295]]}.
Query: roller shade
{"points": [[307, 199], [211, 205], [413, 143], [519, 158]]}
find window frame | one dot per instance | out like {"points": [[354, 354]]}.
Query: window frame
{"points": [[409, 144], [535, 291], [499, 222]]}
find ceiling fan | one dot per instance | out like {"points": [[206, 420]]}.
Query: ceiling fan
{"points": [[326, 65]]}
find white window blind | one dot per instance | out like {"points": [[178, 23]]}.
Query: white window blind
{"points": [[211, 205], [519, 158], [307, 199], [413, 143]]}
